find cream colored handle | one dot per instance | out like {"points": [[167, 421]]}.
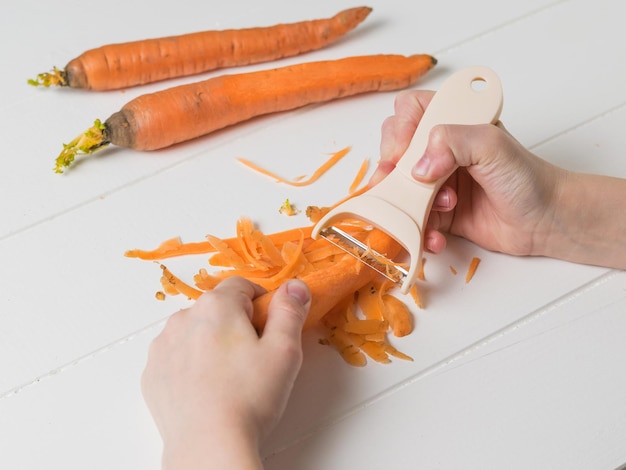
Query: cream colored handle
{"points": [[471, 96]]}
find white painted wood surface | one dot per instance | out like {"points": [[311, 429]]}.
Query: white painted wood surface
{"points": [[522, 368]]}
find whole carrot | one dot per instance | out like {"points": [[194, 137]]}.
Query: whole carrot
{"points": [[134, 63], [158, 120]]}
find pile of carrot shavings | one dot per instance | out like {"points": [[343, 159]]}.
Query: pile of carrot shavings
{"points": [[356, 327]]}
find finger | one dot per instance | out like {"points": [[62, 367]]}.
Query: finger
{"points": [[445, 200], [438, 159], [409, 107], [287, 312], [457, 145], [397, 130], [232, 295], [383, 169], [241, 285], [434, 241]]}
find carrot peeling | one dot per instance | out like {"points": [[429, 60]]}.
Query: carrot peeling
{"points": [[335, 157], [421, 275], [398, 316], [472, 269], [179, 285], [315, 213], [359, 177], [173, 247], [414, 293]]}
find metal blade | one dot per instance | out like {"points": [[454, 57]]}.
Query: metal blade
{"points": [[359, 250]]}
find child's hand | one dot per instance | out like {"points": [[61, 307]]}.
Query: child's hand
{"points": [[214, 387], [502, 197]]}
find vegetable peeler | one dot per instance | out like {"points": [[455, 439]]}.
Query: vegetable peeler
{"points": [[399, 205]]}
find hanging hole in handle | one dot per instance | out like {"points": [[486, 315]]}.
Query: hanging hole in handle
{"points": [[479, 84]]}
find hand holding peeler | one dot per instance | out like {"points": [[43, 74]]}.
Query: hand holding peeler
{"points": [[399, 205]]}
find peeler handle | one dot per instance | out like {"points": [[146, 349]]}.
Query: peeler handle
{"points": [[400, 205], [470, 96]]}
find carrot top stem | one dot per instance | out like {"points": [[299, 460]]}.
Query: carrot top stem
{"points": [[88, 142], [56, 77]]}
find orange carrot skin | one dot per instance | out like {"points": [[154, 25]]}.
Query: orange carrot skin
{"points": [[158, 120], [330, 286], [134, 63]]}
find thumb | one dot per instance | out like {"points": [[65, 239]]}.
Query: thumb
{"points": [[451, 145], [287, 311]]}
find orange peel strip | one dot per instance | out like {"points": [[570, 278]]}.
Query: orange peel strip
{"points": [[472, 269], [359, 176], [335, 157]]}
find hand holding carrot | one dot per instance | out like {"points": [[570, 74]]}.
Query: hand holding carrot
{"points": [[505, 198], [214, 387]]}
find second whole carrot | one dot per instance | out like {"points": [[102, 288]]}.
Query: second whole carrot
{"points": [[127, 64], [167, 117]]}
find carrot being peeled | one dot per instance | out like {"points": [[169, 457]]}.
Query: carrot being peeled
{"points": [[328, 286], [331, 285], [123, 65], [164, 118]]}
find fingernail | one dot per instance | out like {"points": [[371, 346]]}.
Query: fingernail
{"points": [[383, 168], [299, 291], [421, 167], [375, 177], [442, 200]]}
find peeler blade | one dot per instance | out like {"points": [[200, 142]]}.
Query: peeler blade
{"points": [[365, 254]]}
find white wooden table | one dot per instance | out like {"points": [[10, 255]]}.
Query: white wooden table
{"points": [[522, 368]]}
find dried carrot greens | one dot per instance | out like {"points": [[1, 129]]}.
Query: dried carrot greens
{"points": [[287, 208]]}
